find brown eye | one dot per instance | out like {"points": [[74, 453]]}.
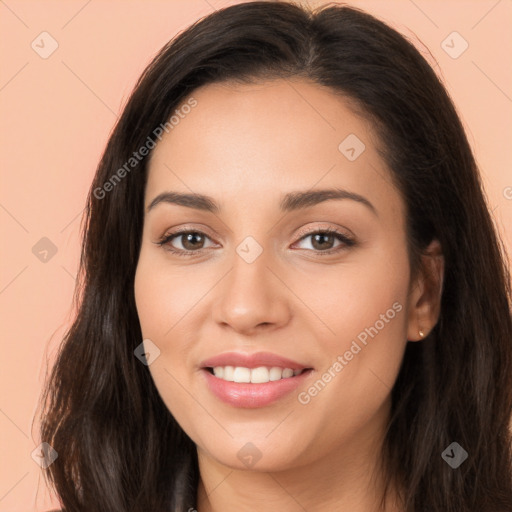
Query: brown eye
{"points": [[323, 241], [190, 241]]}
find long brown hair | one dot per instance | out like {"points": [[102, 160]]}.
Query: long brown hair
{"points": [[120, 449]]}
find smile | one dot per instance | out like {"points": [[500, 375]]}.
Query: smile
{"points": [[258, 375]]}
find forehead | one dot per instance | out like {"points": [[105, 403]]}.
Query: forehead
{"points": [[250, 141]]}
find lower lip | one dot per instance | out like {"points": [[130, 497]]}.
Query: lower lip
{"points": [[251, 396]]}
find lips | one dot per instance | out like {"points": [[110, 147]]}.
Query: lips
{"points": [[253, 396], [252, 361]]}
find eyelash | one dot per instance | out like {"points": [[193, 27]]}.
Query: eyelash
{"points": [[166, 239]]}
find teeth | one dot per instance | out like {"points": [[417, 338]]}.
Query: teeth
{"points": [[258, 375], [275, 373], [242, 374]]}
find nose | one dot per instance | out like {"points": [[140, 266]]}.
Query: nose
{"points": [[252, 297]]}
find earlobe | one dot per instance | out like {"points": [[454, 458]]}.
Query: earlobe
{"points": [[425, 297]]}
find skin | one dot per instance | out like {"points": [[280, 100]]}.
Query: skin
{"points": [[246, 146]]}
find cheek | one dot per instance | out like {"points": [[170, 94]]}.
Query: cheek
{"points": [[170, 302], [364, 305], [149, 298], [162, 299], [352, 296], [164, 294]]}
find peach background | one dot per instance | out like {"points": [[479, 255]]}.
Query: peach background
{"points": [[57, 114]]}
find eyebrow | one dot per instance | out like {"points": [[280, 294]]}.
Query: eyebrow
{"points": [[290, 202]]}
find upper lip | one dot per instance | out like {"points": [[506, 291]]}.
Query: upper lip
{"points": [[251, 360]]}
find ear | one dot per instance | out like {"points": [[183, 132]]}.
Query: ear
{"points": [[424, 303]]}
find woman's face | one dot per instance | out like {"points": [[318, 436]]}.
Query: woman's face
{"points": [[258, 279]]}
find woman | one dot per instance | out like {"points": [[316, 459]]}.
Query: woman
{"points": [[292, 294]]}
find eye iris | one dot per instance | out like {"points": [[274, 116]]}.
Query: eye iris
{"points": [[322, 237], [189, 237]]}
